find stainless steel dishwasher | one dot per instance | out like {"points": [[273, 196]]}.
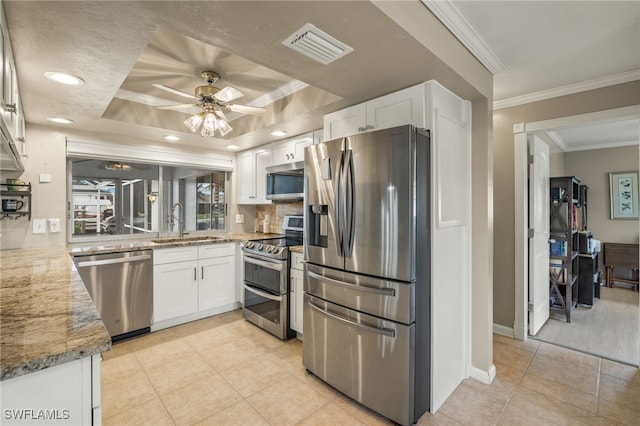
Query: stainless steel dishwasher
{"points": [[121, 286]]}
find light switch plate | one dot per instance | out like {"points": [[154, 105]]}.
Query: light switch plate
{"points": [[45, 177], [239, 218], [39, 226], [54, 225]]}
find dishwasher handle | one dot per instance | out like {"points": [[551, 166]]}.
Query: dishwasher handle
{"points": [[113, 261]]}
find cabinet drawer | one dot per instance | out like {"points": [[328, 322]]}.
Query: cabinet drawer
{"points": [[174, 254], [216, 250], [296, 260]]}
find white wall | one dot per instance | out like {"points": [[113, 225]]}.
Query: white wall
{"points": [[46, 151], [593, 168]]}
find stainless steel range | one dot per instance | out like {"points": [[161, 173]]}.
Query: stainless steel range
{"points": [[266, 279]]}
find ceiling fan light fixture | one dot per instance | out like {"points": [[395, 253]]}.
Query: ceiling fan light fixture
{"points": [[210, 125], [193, 122], [116, 166], [224, 127]]}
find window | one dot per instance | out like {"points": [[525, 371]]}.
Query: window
{"points": [[111, 198], [210, 201]]}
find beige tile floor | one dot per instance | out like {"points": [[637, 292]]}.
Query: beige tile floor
{"points": [[224, 371]]}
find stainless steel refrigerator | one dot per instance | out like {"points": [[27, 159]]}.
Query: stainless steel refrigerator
{"points": [[367, 273]]}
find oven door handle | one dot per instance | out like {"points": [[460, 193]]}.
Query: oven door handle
{"points": [[389, 332], [270, 265], [263, 294]]}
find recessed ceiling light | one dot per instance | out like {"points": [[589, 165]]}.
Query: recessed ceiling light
{"points": [[233, 147], [171, 137], [63, 78], [278, 133], [60, 120]]}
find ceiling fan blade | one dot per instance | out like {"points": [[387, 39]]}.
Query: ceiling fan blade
{"points": [[179, 106], [228, 94], [246, 109], [172, 90]]}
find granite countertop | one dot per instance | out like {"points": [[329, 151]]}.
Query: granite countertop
{"points": [[188, 240], [297, 249], [47, 317], [46, 314]]}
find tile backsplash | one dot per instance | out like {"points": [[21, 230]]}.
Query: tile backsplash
{"points": [[276, 214]]}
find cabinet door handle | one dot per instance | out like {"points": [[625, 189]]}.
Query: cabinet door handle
{"points": [[362, 129], [202, 272], [195, 274], [369, 126]]}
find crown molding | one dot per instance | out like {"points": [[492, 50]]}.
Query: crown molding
{"points": [[450, 16], [570, 89], [557, 139]]}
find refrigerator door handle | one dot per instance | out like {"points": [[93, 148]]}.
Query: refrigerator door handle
{"points": [[338, 205], [349, 204], [381, 291], [382, 331]]}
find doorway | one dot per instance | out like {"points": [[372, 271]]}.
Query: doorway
{"points": [[625, 330]]}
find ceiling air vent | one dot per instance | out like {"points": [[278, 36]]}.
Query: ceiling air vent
{"points": [[316, 44]]}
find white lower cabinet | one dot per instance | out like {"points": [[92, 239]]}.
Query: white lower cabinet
{"points": [[175, 290], [296, 292], [187, 290], [217, 285], [65, 394]]}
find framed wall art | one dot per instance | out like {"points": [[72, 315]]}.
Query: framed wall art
{"points": [[624, 195]]}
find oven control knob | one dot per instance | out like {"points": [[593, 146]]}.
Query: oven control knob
{"points": [[279, 250], [248, 244], [259, 247], [273, 249]]}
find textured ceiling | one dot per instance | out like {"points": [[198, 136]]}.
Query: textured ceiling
{"points": [[120, 47], [116, 46]]}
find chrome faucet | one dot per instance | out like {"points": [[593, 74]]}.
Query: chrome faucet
{"points": [[180, 219]]}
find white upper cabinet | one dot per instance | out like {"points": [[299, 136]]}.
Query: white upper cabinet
{"points": [[346, 122], [12, 123], [251, 174], [406, 106], [318, 136], [292, 149]]}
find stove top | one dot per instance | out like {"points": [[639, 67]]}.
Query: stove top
{"points": [[277, 248], [281, 242]]}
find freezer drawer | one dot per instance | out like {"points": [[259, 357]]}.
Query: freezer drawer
{"points": [[340, 345], [393, 300]]}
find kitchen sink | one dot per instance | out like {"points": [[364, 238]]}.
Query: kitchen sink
{"points": [[192, 239]]}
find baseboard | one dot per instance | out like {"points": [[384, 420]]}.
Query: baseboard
{"points": [[503, 330], [483, 376], [519, 331], [160, 325]]}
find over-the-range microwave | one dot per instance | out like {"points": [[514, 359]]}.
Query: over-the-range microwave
{"points": [[285, 181]]}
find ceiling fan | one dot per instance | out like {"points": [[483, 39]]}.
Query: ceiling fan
{"points": [[214, 102]]}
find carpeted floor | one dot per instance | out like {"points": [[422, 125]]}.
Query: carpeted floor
{"points": [[610, 329]]}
